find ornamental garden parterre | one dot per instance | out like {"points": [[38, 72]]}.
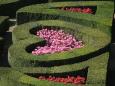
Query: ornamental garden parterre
{"points": [[58, 43]]}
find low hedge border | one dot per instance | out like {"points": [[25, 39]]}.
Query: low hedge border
{"points": [[94, 69], [24, 80], [100, 70], [23, 37], [23, 63], [30, 13]]}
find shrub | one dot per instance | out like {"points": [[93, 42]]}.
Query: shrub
{"points": [[49, 11], [94, 30]]}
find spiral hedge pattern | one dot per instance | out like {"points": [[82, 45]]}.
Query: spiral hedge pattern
{"points": [[93, 29]]}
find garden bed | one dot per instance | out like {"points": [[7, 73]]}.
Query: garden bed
{"points": [[48, 69], [73, 78], [25, 37], [80, 9], [23, 15], [64, 61]]}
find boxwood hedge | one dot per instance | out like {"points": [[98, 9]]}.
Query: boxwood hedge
{"points": [[23, 80], [67, 61], [87, 34], [49, 11], [94, 30]]}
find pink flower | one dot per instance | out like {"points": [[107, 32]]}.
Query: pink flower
{"points": [[57, 41]]}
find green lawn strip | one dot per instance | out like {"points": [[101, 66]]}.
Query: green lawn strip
{"points": [[35, 14], [23, 39]]}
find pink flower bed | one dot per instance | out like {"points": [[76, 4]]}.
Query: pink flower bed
{"points": [[57, 41], [78, 9], [65, 80]]}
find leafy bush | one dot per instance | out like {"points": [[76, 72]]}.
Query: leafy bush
{"points": [[94, 30], [49, 11]]}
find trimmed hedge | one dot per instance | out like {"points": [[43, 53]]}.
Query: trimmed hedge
{"points": [[89, 55], [48, 11], [93, 55], [99, 70], [88, 35], [24, 80]]}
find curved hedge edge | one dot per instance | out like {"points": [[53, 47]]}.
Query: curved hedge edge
{"points": [[96, 66], [29, 13], [9, 82], [27, 80], [25, 38]]}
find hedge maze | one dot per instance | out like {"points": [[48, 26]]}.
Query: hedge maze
{"points": [[89, 61]]}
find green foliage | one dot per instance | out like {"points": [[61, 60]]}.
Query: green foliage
{"points": [[88, 35], [7, 1], [94, 30], [49, 11]]}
